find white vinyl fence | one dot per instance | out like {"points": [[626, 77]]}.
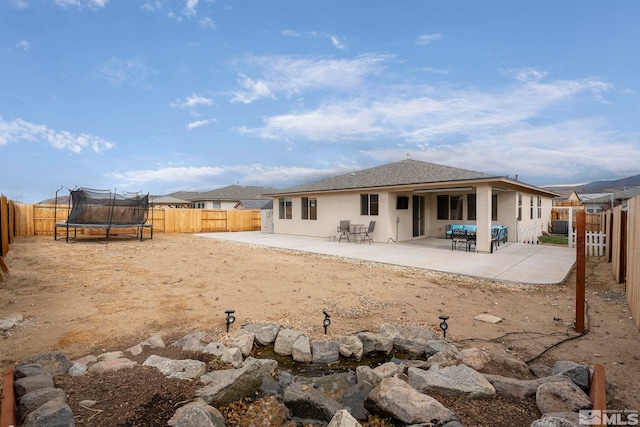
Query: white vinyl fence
{"points": [[595, 242], [528, 234]]}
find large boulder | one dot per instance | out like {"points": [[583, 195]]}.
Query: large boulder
{"points": [[302, 350], [397, 399], [55, 412], [457, 380], [225, 386], [412, 339], [186, 369], [55, 362], [285, 340], [33, 400], [521, 389], [561, 397], [243, 340], [350, 346], [375, 343], [325, 352], [264, 333], [579, 374]]}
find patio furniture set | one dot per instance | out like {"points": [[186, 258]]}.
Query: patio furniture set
{"points": [[359, 232], [466, 234]]}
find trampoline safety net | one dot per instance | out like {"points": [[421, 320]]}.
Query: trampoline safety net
{"points": [[106, 209]]}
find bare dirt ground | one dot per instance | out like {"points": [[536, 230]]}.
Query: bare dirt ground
{"points": [[90, 297]]}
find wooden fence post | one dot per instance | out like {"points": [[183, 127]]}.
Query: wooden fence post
{"points": [[580, 271]]}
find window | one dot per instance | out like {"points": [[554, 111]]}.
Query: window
{"points": [[539, 206], [494, 207], [309, 208], [519, 206], [368, 204], [531, 207], [284, 205], [198, 205], [217, 205], [450, 207], [443, 207], [455, 206], [471, 207]]}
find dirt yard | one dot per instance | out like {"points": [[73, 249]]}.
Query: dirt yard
{"points": [[90, 297]]}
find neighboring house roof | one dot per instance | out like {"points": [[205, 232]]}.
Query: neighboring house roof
{"points": [[620, 195], [592, 197], [168, 200], [404, 173], [256, 204], [230, 193]]}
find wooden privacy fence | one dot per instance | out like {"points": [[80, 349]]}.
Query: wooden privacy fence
{"points": [[7, 233], [38, 220], [633, 258], [561, 213]]}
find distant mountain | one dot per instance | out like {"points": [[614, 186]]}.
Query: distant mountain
{"points": [[611, 186]]}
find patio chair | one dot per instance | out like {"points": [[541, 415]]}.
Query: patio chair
{"points": [[495, 238], [366, 232], [459, 236], [343, 229]]}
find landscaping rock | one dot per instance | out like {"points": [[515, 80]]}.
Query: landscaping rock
{"points": [[375, 343], [325, 352], [521, 389], [265, 333], [284, 341], [552, 422], [78, 369], [572, 417], [225, 386], [413, 339], [561, 397], [353, 400], [112, 365], [55, 362], [350, 347], [87, 360], [443, 358], [29, 370], [243, 340], [307, 402], [53, 413], [215, 348], [30, 384], [343, 418], [395, 398], [197, 414], [579, 374], [457, 380], [179, 369], [34, 399], [474, 358], [195, 341], [435, 346], [232, 356], [110, 355], [302, 350], [365, 374]]}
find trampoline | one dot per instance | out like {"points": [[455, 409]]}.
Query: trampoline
{"points": [[107, 210]]}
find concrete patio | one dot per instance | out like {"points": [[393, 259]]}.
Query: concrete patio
{"points": [[511, 262]]}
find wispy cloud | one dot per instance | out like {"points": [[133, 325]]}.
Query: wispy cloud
{"points": [[23, 44], [425, 39], [119, 71], [192, 101], [337, 41], [436, 70], [21, 130], [292, 75], [168, 174], [199, 123], [88, 4]]}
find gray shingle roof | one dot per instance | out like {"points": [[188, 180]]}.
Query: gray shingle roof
{"points": [[620, 195], [230, 193], [405, 172]]}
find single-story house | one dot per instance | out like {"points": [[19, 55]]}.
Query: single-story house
{"points": [[168, 202], [227, 198], [412, 199]]}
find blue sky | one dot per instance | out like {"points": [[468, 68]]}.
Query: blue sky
{"points": [[162, 96]]}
